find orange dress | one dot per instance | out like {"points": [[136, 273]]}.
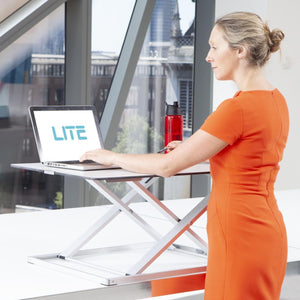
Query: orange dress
{"points": [[247, 240]]}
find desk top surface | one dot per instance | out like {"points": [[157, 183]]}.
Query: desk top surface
{"points": [[48, 231], [108, 174]]}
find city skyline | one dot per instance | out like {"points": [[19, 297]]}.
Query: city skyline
{"points": [[111, 40]]}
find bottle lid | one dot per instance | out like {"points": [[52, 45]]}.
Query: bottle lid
{"points": [[173, 109]]}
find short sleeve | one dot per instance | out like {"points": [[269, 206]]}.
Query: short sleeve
{"points": [[226, 122]]}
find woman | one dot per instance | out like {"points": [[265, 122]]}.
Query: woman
{"points": [[244, 140]]}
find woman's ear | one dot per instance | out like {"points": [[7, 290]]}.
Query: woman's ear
{"points": [[242, 52]]}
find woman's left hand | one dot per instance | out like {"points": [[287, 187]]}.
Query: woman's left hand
{"points": [[101, 156]]}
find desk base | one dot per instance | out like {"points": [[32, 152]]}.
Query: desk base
{"points": [[107, 265]]}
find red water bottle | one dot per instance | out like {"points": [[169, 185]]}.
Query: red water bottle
{"points": [[173, 123]]}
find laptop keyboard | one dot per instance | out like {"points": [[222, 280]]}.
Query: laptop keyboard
{"points": [[75, 162]]}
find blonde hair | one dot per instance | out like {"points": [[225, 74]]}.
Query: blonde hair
{"points": [[248, 29]]}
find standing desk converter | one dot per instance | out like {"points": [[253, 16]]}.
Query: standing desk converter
{"points": [[87, 263]]}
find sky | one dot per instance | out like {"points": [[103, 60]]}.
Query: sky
{"points": [[109, 25]]}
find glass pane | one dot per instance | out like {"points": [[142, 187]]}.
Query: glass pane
{"points": [[32, 73], [164, 71], [163, 75], [109, 27]]}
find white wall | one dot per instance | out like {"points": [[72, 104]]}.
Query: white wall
{"points": [[225, 89], [282, 70]]}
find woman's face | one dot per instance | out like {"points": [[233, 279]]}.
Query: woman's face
{"points": [[223, 59]]}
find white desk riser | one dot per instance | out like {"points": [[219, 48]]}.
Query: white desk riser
{"points": [[87, 263]]}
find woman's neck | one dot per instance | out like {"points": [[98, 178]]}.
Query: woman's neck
{"points": [[252, 78]]}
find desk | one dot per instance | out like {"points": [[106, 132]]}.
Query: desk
{"points": [[90, 263]]}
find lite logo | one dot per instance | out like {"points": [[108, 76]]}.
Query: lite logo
{"points": [[66, 133]]}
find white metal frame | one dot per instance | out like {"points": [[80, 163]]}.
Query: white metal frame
{"points": [[181, 225], [72, 258], [135, 273]]}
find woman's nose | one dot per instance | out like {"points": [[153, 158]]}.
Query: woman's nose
{"points": [[208, 57]]}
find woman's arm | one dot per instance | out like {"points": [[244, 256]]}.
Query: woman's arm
{"points": [[198, 148]]}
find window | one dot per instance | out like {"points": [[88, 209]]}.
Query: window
{"points": [[166, 57], [185, 102], [32, 73], [165, 63], [109, 27]]}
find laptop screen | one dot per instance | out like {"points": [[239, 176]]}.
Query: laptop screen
{"points": [[65, 132]]}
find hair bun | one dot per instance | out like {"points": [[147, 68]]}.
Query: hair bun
{"points": [[276, 36]]}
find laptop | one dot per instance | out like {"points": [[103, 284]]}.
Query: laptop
{"points": [[63, 133]]}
